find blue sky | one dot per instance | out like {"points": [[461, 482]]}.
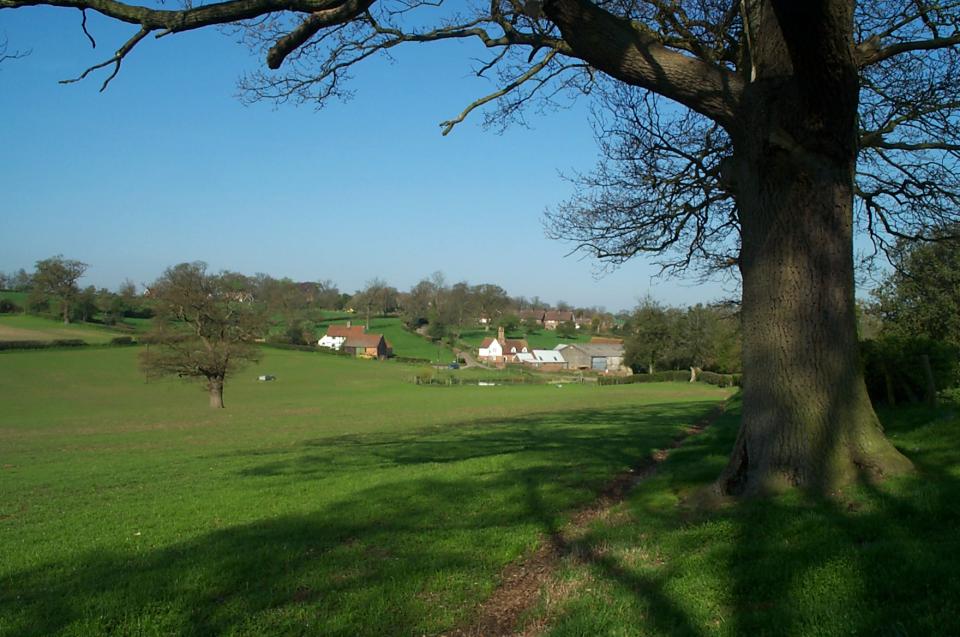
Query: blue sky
{"points": [[168, 166]]}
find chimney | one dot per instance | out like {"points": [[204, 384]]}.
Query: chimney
{"points": [[500, 336]]}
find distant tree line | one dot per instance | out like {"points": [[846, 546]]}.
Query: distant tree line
{"points": [[657, 337]]}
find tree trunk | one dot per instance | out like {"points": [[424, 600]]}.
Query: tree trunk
{"points": [[215, 385], [66, 313], [807, 420]]}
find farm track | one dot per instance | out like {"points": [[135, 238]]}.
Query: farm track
{"points": [[522, 581]]}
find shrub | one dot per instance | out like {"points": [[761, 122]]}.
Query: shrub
{"points": [[122, 341], [425, 375], [5, 345], [8, 307], [67, 342], [410, 359]]}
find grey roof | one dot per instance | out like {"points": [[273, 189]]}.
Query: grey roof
{"points": [[599, 349]]}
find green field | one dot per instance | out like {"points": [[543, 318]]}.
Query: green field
{"points": [[25, 327], [542, 339], [873, 560], [404, 342], [338, 500]]}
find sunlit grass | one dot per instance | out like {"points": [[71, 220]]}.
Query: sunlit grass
{"points": [[337, 500]]}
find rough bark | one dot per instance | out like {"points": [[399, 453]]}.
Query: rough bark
{"points": [[807, 419], [215, 386]]}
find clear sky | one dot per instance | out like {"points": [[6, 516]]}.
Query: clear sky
{"points": [[168, 166]]}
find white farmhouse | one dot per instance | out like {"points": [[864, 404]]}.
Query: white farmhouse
{"points": [[337, 334]]}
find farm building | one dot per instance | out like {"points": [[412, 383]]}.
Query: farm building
{"points": [[544, 359], [599, 357], [337, 334], [367, 346], [553, 318], [501, 349]]}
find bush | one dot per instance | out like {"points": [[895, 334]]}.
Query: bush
{"points": [[122, 341], [67, 342], [6, 345], [425, 376], [720, 380], [893, 367], [410, 359], [9, 307], [675, 376]]}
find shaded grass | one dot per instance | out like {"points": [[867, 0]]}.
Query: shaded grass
{"points": [[880, 560], [338, 500]]}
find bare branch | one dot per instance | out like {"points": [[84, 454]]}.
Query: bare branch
{"points": [[448, 125], [115, 60], [870, 52]]}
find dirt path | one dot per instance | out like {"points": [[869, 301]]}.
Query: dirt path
{"points": [[522, 581]]}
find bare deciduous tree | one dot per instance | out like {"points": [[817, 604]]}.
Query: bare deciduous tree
{"points": [[786, 113]]}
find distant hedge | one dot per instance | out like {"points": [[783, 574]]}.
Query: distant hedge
{"points": [[675, 376], [411, 359], [60, 343], [63, 342]]}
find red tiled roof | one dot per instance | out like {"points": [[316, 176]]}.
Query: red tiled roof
{"points": [[343, 330], [519, 344], [487, 341], [363, 340]]}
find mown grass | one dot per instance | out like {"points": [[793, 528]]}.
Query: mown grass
{"points": [[876, 560], [337, 500]]}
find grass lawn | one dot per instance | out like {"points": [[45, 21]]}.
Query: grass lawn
{"points": [[337, 500], [404, 342], [881, 560], [542, 339], [25, 327]]}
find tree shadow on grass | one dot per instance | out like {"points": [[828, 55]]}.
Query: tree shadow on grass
{"points": [[618, 437], [410, 552], [880, 560]]}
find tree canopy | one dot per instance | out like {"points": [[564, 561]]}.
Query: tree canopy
{"points": [[56, 278], [922, 295]]}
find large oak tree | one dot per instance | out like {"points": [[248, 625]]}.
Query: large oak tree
{"points": [[792, 123]]}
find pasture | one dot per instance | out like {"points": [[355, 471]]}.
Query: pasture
{"points": [[25, 327], [541, 339], [338, 500]]}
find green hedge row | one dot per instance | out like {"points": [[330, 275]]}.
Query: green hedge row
{"points": [[675, 376], [60, 343]]}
